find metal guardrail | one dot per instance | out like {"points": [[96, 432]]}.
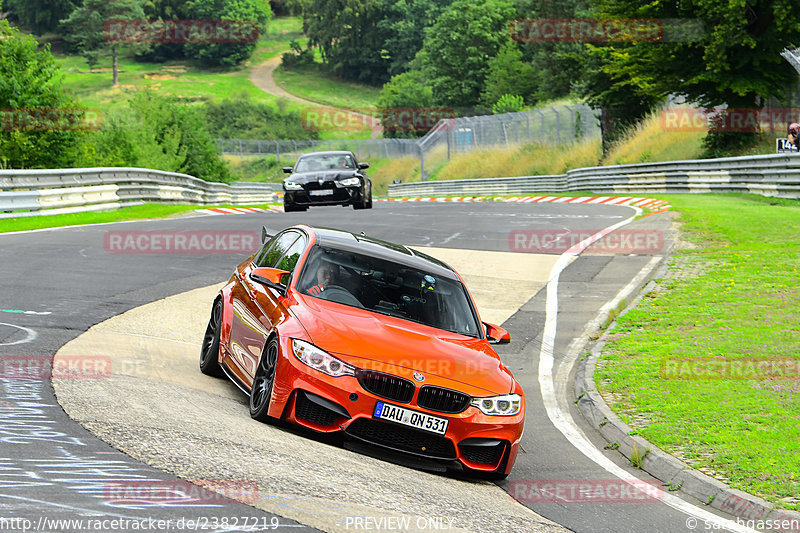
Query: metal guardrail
{"points": [[40, 192], [768, 175]]}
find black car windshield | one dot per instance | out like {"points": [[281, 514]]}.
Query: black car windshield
{"points": [[388, 288], [325, 162]]}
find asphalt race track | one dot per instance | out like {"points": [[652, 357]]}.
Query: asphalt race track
{"points": [[56, 284]]}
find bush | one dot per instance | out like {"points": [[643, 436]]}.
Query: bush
{"points": [[298, 57], [406, 92], [508, 103], [226, 54], [155, 132], [241, 118], [34, 107]]}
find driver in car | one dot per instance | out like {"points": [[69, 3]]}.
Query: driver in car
{"points": [[326, 276]]}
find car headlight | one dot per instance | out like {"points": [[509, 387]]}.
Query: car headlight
{"points": [[292, 186], [320, 360], [505, 405], [350, 182]]}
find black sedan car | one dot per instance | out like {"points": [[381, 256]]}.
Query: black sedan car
{"points": [[327, 178]]}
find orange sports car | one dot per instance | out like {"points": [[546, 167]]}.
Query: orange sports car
{"points": [[339, 332]]}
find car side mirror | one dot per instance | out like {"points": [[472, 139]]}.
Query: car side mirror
{"points": [[363, 165], [266, 234], [269, 277], [287, 170], [496, 334]]}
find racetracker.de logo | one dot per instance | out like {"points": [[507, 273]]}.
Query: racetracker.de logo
{"points": [[407, 119], [50, 119], [731, 120], [62, 367], [202, 492], [718, 367], [584, 491], [180, 242], [181, 31], [605, 30], [622, 241]]}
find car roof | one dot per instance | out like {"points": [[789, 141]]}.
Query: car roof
{"points": [[389, 251], [332, 152]]}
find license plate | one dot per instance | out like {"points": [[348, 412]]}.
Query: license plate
{"points": [[410, 418], [321, 192]]}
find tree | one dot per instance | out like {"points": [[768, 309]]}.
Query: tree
{"points": [[41, 16], [508, 74], [406, 95], [736, 63], [227, 53], [403, 28], [39, 122], [508, 103], [84, 29], [460, 44], [348, 36]]}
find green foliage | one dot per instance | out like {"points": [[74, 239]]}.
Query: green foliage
{"points": [[84, 28], [154, 132], [298, 57], [403, 29], [347, 34], [406, 91], [226, 54], [508, 103], [242, 118], [460, 44], [30, 84], [40, 16], [508, 74], [735, 62]]}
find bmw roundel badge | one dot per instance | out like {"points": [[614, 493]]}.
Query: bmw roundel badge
{"points": [[418, 376]]}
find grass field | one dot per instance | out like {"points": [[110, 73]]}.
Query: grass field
{"points": [[193, 83], [684, 367], [313, 83], [140, 212]]}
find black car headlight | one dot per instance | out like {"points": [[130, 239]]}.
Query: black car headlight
{"points": [[292, 186], [504, 405], [321, 360], [350, 182]]}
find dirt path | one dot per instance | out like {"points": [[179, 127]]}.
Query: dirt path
{"points": [[262, 77]]}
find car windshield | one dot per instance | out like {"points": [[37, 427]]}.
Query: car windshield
{"points": [[388, 288], [325, 162]]}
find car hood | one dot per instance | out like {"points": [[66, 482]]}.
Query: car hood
{"points": [[373, 341], [302, 178]]}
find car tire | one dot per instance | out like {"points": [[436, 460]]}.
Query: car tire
{"points": [[209, 352], [263, 381], [362, 202], [288, 208]]}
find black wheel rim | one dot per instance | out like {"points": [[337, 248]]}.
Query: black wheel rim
{"points": [[212, 332], [265, 375]]}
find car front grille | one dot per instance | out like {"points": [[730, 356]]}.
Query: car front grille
{"points": [[402, 438], [442, 400], [386, 386], [482, 451]]}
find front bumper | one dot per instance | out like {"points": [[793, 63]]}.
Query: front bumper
{"points": [[326, 404], [339, 196]]}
